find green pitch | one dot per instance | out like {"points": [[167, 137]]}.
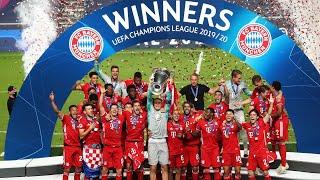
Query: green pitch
{"points": [[216, 65]]}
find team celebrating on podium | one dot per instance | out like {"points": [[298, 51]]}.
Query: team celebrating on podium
{"points": [[117, 120]]}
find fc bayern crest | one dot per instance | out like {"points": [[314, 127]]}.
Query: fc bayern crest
{"points": [[254, 40], [86, 44]]}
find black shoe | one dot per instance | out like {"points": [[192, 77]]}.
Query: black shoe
{"points": [[245, 155]]}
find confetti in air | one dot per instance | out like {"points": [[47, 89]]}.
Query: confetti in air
{"points": [[198, 68], [39, 30]]}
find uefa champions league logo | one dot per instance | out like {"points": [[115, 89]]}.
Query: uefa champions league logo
{"points": [[86, 44], [254, 40]]}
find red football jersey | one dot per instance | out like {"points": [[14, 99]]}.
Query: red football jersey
{"points": [[229, 133], [140, 88], [108, 101], [85, 87], [210, 133], [70, 131], [135, 125], [190, 126], [220, 110], [256, 136], [260, 104], [175, 144], [94, 136], [255, 93], [279, 101], [112, 131], [127, 100]]}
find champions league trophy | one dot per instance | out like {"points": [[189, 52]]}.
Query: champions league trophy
{"points": [[159, 80]]}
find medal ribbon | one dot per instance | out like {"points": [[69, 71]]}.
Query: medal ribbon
{"points": [[115, 124], [235, 90], [228, 128], [195, 94], [263, 104], [212, 126], [134, 120], [256, 130]]}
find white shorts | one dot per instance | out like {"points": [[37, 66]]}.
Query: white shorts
{"points": [[158, 152]]}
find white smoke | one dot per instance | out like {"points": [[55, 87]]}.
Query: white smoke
{"points": [[39, 30], [304, 14]]}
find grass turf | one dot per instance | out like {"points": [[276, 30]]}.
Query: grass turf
{"points": [[216, 65]]}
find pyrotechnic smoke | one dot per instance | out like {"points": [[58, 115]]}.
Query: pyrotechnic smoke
{"points": [[39, 31], [198, 68], [304, 14]]}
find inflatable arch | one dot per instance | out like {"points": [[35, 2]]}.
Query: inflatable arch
{"points": [[110, 29]]}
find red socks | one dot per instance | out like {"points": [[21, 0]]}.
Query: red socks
{"points": [[104, 177], [76, 176], [129, 175], [65, 176], [267, 177], [283, 154], [195, 176], [227, 177], [183, 176], [217, 175], [207, 176], [119, 177], [252, 178]]}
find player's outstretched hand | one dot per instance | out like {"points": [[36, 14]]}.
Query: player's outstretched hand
{"points": [[102, 90], [51, 96]]}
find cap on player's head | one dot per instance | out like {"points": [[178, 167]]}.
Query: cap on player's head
{"points": [[256, 79], [92, 73], [276, 85]]}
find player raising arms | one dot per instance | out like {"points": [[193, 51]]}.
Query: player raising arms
{"points": [[136, 122], [109, 98], [191, 141], [112, 124], [258, 147], [89, 132], [208, 127], [175, 144], [220, 107], [280, 123], [230, 143], [86, 86], [72, 153]]}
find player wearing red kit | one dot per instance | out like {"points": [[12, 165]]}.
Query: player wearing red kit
{"points": [[112, 129], [136, 122], [89, 132], [141, 86], [262, 104], [208, 127], [109, 98], [230, 143], [132, 95], [175, 129], [279, 129], [86, 86], [191, 141], [72, 153], [258, 150], [220, 107]]}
